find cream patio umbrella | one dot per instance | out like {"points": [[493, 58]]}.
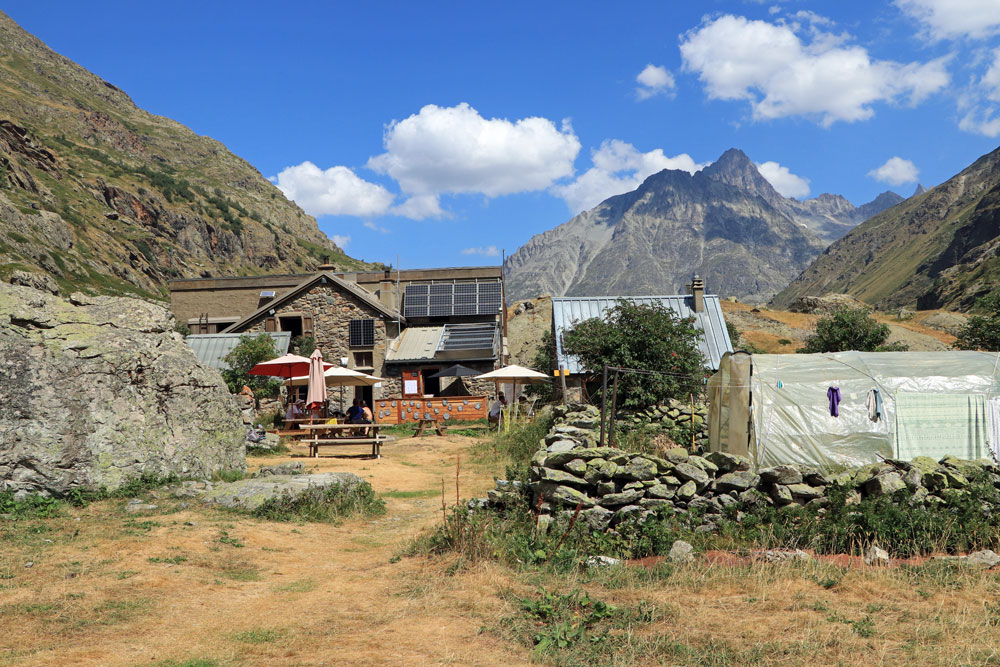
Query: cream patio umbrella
{"points": [[514, 374], [338, 376]]}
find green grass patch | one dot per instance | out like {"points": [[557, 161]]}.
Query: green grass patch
{"points": [[423, 493], [260, 636], [299, 586], [327, 505], [169, 560]]}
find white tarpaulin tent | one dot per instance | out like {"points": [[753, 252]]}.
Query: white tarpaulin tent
{"points": [[775, 408]]}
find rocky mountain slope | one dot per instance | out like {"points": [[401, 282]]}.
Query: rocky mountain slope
{"points": [[726, 223], [106, 197], [939, 249]]}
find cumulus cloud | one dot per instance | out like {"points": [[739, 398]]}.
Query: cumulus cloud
{"points": [[952, 19], [618, 167], [768, 65], [488, 251], [981, 121], [896, 171], [340, 240], [654, 80], [455, 150], [783, 180], [333, 191]]}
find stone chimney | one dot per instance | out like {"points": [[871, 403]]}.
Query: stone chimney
{"points": [[697, 288], [326, 265]]}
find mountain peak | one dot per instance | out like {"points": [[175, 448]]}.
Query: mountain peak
{"points": [[919, 191], [735, 168]]}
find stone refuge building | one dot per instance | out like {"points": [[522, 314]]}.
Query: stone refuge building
{"points": [[401, 325]]}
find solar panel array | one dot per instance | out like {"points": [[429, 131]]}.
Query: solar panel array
{"points": [[361, 333], [447, 299], [468, 337]]}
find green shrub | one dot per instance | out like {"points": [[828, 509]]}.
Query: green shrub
{"points": [[250, 351], [520, 443], [850, 328], [323, 505]]}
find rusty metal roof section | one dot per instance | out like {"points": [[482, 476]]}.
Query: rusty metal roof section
{"points": [[713, 343]]}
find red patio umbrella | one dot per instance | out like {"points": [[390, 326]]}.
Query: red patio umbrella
{"points": [[287, 366]]}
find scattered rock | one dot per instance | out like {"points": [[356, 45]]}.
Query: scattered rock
{"points": [[876, 556], [288, 468], [783, 474], [602, 561], [681, 552], [249, 494]]}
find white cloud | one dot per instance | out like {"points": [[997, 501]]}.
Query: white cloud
{"points": [[455, 150], [654, 80], [981, 121], [784, 181], [334, 191], [488, 251], [951, 19], [618, 167], [991, 80], [375, 228], [896, 171], [769, 66], [341, 240]]}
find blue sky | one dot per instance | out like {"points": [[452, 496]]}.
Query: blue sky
{"points": [[443, 133]]}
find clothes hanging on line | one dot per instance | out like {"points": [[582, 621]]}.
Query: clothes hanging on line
{"points": [[874, 405], [833, 393]]}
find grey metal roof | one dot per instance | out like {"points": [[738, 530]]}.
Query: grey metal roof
{"points": [[211, 348], [714, 342], [416, 344]]}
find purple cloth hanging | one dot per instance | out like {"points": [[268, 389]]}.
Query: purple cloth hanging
{"points": [[833, 393]]}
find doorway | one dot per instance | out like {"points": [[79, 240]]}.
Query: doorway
{"points": [[432, 386]]}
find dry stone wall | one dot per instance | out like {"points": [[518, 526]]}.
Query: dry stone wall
{"points": [[609, 485]]}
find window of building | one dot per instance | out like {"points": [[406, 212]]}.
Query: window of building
{"points": [[362, 333], [363, 359], [291, 324]]}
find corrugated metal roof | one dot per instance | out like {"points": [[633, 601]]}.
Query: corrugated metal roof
{"points": [[714, 342], [211, 348], [416, 344]]}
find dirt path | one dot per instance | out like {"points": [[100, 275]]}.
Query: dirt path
{"points": [[200, 584]]}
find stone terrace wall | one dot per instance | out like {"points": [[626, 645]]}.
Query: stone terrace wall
{"points": [[611, 485]]}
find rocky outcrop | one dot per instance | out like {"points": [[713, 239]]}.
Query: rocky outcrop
{"points": [[251, 494], [98, 390], [823, 305]]}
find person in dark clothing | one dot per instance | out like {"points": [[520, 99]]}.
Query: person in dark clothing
{"points": [[354, 412]]}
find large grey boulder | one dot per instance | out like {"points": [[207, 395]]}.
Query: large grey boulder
{"points": [[250, 494], [98, 390]]}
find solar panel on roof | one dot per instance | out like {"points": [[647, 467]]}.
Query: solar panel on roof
{"points": [[446, 299], [457, 337]]}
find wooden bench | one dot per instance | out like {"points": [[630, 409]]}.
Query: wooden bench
{"points": [[424, 424], [323, 435], [316, 443]]}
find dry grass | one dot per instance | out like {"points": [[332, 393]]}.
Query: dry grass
{"points": [[111, 589]]}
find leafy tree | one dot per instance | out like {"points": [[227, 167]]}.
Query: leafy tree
{"points": [[849, 328], [303, 345], [642, 337], [982, 332], [250, 351]]}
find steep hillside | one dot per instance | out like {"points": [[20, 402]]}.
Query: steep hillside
{"points": [[106, 197], [726, 223], [936, 250]]}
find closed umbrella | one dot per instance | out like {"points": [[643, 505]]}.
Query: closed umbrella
{"points": [[316, 396]]}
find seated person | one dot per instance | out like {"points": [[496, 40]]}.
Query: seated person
{"points": [[354, 412], [294, 411], [496, 410], [366, 417]]}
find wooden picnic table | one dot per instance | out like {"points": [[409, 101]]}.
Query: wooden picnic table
{"points": [[333, 440]]}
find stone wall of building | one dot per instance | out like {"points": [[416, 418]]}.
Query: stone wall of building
{"points": [[332, 312]]}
